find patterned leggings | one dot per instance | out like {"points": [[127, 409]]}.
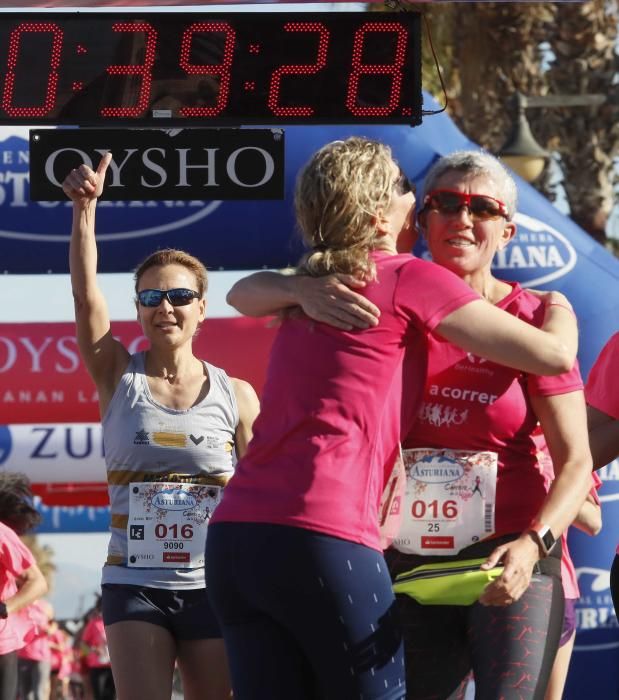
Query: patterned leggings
{"points": [[509, 649]]}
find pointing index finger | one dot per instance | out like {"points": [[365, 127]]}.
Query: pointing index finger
{"points": [[103, 163]]}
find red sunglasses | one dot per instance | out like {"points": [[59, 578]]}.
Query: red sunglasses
{"points": [[449, 202]]}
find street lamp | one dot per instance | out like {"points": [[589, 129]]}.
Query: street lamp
{"points": [[521, 152]]}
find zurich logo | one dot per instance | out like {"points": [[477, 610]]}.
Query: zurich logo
{"points": [[6, 443], [126, 219], [174, 499], [435, 469]]}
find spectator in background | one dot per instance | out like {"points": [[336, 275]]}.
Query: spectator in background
{"points": [[97, 656], [34, 659], [21, 580], [61, 649]]}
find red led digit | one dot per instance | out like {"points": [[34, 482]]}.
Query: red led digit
{"points": [[222, 70], [52, 76], [140, 69], [393, 69], [299, 69]]}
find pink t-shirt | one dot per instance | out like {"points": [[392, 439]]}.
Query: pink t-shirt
{"points": [[329, 426], [61, 652], [471, 403], [94, 639], [15, 558], [601, 390], [38, 647]]}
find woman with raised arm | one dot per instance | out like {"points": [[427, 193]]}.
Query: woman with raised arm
{"points": [[297, 578], [170, 424]]}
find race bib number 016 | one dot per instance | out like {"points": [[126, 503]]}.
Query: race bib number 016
{"points": [[167, 523], [449, 502]]}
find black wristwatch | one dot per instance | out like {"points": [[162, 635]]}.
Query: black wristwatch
{"points": [[542, 534], [4, 613]]}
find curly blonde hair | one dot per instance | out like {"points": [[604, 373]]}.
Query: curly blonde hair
{"points": [[173, 256], [338, 195]]}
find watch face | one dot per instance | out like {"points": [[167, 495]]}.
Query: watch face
{"points": [[547, 538]]}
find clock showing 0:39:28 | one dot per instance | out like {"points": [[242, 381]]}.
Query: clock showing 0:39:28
{"points": [[140, 68]]}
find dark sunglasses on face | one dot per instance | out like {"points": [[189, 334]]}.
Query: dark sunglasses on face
{"points": [[449, 202], [177, 297], [403, 184]]}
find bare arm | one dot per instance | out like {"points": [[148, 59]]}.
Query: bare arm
{"points": [[31, 586], [485, 330], [589, 518], [603, 437], [104, 357], [249, 407], [563, 420], [330, 299]]}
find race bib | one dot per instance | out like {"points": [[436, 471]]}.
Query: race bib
{"points": [[449, 501], [167, 523]]}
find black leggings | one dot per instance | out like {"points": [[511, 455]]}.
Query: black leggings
{"points": [[510, 649], [8, 676], [614, 583]]}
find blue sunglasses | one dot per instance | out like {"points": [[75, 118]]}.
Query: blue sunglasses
{"points": [[177, 297]]}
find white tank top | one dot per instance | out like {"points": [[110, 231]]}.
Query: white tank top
{"points": [[147, 442]]}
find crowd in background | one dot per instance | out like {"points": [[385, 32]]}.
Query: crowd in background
{"points": [[65, 659]]}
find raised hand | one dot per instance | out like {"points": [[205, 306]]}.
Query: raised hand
{"points": [[84, 184]]}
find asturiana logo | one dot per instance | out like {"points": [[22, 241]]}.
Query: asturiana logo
{"points": [[174, 499], [544, 253], [434, 469]]}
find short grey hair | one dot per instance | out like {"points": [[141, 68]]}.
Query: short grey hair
{"points": [[476, 163]]}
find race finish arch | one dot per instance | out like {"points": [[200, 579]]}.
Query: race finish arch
{"points": [[47, 407]]}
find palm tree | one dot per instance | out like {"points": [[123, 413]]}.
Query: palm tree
{"points": [[488, 51]]}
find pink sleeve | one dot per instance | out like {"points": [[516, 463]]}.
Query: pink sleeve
{"points": [[428, 293], [531, 309], [597, 482], [16, 557], [601, 390]]}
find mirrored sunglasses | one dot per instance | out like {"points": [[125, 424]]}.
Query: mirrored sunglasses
{"points": [[177, 297], [449, 202]]}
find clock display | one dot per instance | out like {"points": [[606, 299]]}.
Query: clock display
{"points": [[95, 69]]}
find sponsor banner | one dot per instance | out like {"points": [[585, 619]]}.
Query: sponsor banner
{"points": [[42, 377], [594, 671], [549, 251], [158, 164], [54, 452]]}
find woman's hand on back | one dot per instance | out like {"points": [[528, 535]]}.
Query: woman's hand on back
{"points": [[332, 300]]}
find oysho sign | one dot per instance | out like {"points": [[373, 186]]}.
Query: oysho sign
{"points": [[153, 164]]}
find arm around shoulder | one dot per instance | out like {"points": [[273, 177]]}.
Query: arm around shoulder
{"points": [[485, 330], [263, 293]]}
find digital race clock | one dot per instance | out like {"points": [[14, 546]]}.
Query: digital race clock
{"points": [[97, 69]]}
